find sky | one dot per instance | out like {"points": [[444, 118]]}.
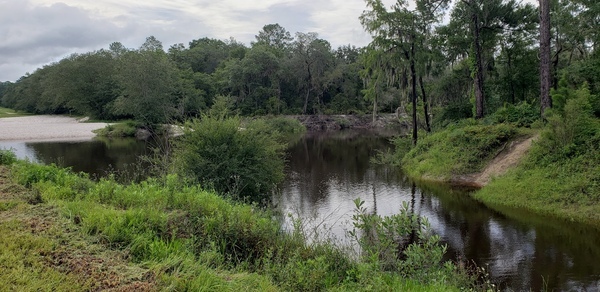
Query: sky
{"points": [[34, 33], [38, 32]]}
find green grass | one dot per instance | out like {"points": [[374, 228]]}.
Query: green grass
{"points": [[120, 129], [187, 238], [6, 112], [456, 150], [568, 188], [22, 266]]}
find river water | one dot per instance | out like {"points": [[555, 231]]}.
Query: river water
{"points": [[327, 171]]}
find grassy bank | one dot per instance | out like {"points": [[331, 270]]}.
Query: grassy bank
{"points": [[6, 113], [457, 150], [559, 176], [551, 182], [169, 235]]}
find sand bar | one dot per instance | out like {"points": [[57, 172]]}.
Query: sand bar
{"points": [[46, 128]]}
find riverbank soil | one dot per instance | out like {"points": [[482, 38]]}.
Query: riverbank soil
{"points": [[41, 250], [383, 122]]}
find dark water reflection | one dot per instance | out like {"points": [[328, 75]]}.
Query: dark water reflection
{"points": [[326, 172], [97, 157], [520, 251]]}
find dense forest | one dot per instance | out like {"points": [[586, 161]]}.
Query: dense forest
{"points": [[483, 57]]}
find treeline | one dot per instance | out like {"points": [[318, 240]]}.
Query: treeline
{"points": [[484, 58], [277, 74]]}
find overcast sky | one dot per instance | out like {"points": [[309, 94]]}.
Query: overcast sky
{"points": [[37, 32]]}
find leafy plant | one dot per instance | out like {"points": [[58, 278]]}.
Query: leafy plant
{"points": [[245, 163], [521, 115], [7, 157]]}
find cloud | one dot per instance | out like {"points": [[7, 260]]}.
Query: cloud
{"points": [[33, 35], [38, 32]]}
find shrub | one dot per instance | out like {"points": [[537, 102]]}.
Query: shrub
{"points": [[572, 130], [521, 115], [401, 243], [455, 111], [7, 157], [219, 153], [125, 129]]}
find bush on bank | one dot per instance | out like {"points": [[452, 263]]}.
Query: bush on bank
{"points": [[244, 161]]}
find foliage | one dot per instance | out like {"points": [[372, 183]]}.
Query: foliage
{"points": [[561, 174], [520, 115], [573, 129], [121, 129], [404, 244], [7, 157], [453, 112], [244, 162], [458, 149]]}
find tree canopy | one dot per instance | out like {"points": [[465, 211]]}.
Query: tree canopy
{"points": [[432, 58]]}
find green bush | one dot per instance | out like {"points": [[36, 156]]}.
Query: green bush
{"points": [[453, 112], [220, 154], [402, 243], [7, 157], [521, 115], [124, 129]]}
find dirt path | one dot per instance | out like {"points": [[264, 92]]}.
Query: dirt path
{"points": [[508, 158], [46, 128]]}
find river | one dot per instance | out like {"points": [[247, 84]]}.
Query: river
{"points": [[327, 171]]}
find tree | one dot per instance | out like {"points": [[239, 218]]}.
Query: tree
{"points": [[275, 36], [546, 102], [311, 58], [403, 32], [147, 77]]}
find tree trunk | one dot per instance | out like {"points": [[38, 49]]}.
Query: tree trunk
{"points": [[479, 97], [413, 73], [375, 106], [425, 105], [309, 86], [545, 100]]}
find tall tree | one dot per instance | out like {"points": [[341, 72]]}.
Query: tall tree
{"points": [[311, 58], [147, 77], [546, 102], [402, 32], [275, 36]]}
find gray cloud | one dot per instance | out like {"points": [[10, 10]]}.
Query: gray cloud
{"points": [[34, 35], [38, 32]]}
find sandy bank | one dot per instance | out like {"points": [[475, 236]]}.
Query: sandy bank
{"points": [[46, 128]]}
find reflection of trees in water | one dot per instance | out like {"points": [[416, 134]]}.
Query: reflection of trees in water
{"points": [[537, 253], [521, 252], [95, 157], [320, 160]]}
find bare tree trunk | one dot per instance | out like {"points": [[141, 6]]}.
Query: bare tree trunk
{"points": [[425, 105], [479, 97], [413, 73], [545, 100], [374, 108], [309, 86]]}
